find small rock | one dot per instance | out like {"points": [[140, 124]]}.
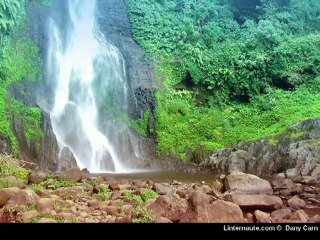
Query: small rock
{"points": [[29, 215], [6, 194], [111, 210], [262, 217], [114, 186], [296, 203], [300, 215], [123, 220], [250, 218], [44, 205], [116, 195], [162, 220], [280, 176], [85, 171], [65, 216], [315, 219], [255, 201], [95, 204], [279, 184], [247, 183], [313, 200], [74, 175], [205, 189], [292, 173], [281, 214], [37, 177], [203, 182], [285, 192], [315, 174], [162, 190], [47, 220], [136, 184]]}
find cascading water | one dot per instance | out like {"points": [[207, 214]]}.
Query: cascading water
{"points": [[88, 76]]}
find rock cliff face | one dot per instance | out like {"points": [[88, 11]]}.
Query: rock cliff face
{"points": [[296, 152], [114, 23]]}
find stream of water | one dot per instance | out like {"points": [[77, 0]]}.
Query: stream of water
{"points": [[89, 78]]}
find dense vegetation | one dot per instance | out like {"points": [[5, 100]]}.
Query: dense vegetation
{"points": [[233, 70], [19, 64]]}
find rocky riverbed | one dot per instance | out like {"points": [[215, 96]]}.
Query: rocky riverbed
{"points": [[81, 198]]}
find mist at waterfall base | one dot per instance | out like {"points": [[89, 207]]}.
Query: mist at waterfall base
{"points": [[87, 75]]}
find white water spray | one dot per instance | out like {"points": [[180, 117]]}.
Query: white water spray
{"points": [[83, 66]]}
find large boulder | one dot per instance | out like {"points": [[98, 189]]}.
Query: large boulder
{"points": [[44, 205], [6, 194], [247, 183], [73, 174], [37, 177], [201, 211], [169, 206], [255, 201], [24, 197]]}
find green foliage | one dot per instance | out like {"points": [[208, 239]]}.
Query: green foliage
{"points": [[214, 128], [103, 193], [254, 66], [142, 214], [148, 194], [22, 63], [62, 182], [11, 167]]}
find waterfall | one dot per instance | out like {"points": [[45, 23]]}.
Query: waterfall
{"points": [[88, 78]]}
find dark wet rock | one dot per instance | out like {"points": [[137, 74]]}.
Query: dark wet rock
{"points": [[300, 216], [255, 201], [296, 148], [85, 171], [73, 174], [296, 203], [6, 194], [281, 214], [37, 177], [247, 183], [262, 217]]}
